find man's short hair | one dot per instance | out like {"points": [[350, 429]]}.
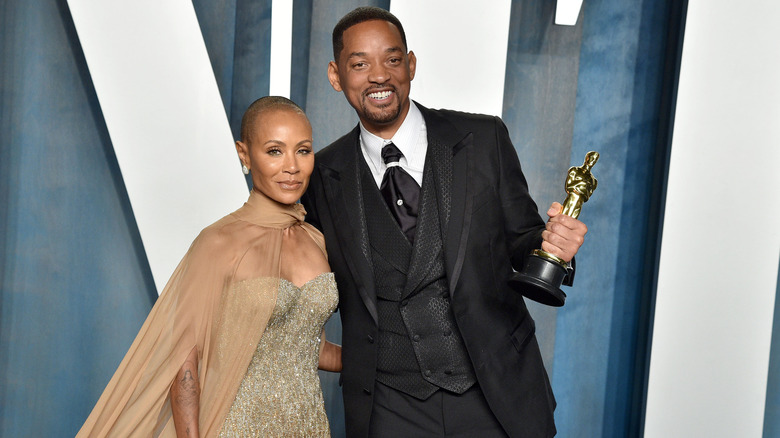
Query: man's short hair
{"points": [[261, 105], [357, 16]]}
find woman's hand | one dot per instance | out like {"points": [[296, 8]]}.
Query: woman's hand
{"points": [[185, 398], [330, 355]]}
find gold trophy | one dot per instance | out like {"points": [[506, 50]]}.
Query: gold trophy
{"points": [[541, 277]]}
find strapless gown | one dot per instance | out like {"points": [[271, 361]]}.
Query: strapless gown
{"points": [[280, 395]]}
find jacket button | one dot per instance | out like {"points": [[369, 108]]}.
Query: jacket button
{"points": [[447, 332], [448, 372], [427, 373], [370, 339], [404, 302], [367, 391], [416, 338]]}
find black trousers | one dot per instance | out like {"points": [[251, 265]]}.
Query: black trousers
{"points": [[444, 414]]}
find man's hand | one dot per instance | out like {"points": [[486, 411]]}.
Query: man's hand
{"points": [[564, 234]]}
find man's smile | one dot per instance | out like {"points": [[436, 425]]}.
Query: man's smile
{"points": [[380, 95]]}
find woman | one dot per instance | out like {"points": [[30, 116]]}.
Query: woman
{"points": [[232, 345]]}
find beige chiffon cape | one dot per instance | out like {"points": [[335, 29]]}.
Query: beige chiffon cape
{"points": [[218, 300]]}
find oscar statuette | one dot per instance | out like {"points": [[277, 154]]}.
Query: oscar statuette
{"points": [[541, 277]]}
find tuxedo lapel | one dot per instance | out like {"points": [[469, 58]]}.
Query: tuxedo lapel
{"points": [[462, 203], [452, 149], [428, 240], [343, 189]]}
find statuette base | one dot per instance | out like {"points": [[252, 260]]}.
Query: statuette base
{"points": [[540, 280]]}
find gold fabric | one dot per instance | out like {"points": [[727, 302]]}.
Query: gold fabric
{"points": [[203, 306], [280, 394]]}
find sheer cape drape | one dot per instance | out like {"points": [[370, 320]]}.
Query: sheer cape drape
{"points": [[218, 300]]}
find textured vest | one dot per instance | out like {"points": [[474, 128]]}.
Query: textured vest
{"points": [[420, 347]]}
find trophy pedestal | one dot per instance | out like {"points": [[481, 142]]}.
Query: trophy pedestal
{"points": [[540, 279]]}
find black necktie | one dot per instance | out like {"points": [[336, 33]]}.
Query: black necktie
{"points": [[400, 190]]}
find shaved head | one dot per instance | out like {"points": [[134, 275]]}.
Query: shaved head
{"points": [[262, 105]]}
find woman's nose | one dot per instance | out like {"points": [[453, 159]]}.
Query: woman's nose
{"points": [[291, 164]]}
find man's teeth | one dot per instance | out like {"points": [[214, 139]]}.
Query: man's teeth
{"points": [[380, 95]]}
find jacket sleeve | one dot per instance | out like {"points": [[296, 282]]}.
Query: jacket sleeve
{"points": [[523, 225]]}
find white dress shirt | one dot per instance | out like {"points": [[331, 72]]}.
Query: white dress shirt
{"points": [[411, 139]]}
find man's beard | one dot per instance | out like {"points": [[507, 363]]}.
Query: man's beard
{"points": [[383, 115]]}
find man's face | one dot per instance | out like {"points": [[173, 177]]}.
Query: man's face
{"points": [[375, 74]]}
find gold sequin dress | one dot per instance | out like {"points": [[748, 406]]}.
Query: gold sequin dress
{"points": [[280, 396]]}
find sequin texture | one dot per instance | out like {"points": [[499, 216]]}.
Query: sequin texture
{"points": [[280, 396]]}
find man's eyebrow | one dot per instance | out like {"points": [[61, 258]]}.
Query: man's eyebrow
{"points": [[356, 55], [362, 54]]}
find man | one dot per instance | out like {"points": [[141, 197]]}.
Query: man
{"points": [[425, 213]]}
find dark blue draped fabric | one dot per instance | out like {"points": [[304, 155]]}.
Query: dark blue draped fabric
{"points": [[251, 58], [301, 43], [75, 282], [603, 331]]}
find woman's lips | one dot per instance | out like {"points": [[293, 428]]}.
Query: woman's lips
{"points": [[289, 185]]}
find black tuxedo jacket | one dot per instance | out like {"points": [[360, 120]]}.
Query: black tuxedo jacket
{"points": [[491, 226]]}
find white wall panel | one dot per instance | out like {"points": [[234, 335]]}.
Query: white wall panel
{"points": [[461, 52], [281, 47], [719, 256], [165, 117]]}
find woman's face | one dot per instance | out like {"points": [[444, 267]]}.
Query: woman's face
{"points": [[279, 154]]}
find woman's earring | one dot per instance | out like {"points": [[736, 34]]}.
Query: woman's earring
{"points": [[245, 169]]}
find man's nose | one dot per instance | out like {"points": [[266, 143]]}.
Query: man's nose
{"points": [[378, 74]]}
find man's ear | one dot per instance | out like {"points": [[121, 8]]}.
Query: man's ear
{"points": [[333, 76], [243, 153], [412, 64]]}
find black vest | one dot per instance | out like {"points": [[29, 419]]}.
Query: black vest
{"points": [[420, 347]]}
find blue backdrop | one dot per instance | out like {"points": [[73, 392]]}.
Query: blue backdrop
{"points": [[75, 281]]}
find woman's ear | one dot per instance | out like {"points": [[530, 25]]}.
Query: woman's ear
{"points": [[243, 153]]}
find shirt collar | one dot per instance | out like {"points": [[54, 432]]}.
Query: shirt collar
{"points": [[405, 139]]}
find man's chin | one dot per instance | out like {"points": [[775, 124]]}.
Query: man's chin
{"points": [[381, 118]]}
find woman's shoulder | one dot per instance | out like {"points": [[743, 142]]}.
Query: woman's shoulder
{"points": [[220, 235], [232, 232]]}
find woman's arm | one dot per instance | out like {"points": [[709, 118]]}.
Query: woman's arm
{"points": [[330, 355], [185, 398]]}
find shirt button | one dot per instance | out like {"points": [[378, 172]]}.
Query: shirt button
{"points": [[400, 202], [370, 339]]}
